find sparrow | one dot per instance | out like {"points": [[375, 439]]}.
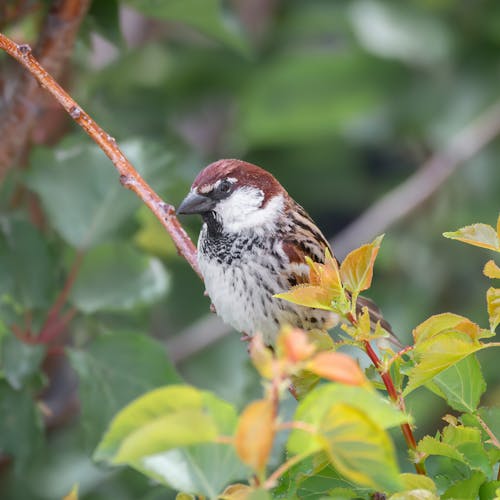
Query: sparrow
{"points": [[253, 245]]}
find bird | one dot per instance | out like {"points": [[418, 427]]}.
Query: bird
{"points": [[253, 245]]}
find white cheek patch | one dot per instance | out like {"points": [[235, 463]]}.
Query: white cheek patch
{"points": [[243, 210]]}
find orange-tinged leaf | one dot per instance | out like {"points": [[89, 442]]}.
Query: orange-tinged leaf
{"points": [[308, 295], [261, 356], [443, 322], [356, 270], [491, 270], [314, 274], [493, 301], [337, 367], [294, 345], [326, 275], [481, 235], [255, 434]]}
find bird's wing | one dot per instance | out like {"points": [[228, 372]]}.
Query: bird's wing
{"points": [[302, 239], [309, 241]]}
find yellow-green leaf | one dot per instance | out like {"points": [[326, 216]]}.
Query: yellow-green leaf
{"points": [[73, 494], [182, 428], [163, 419], [255, 434], [442, 322], [438, 353], [429, 445], [359, 449], [315, 405], [419, 494], [356, 270], [493, 301], [309, 296], [417, 482], [491, 270], [480, 235]]}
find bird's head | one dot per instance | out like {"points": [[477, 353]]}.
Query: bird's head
{"points": [[236, 195]]}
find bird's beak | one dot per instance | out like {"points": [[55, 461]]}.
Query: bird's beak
{"points": [[195, 203]]}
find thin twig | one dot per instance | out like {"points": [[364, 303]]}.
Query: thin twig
{"points": [[129, 177], [272, 480], [494, 439], [413, 192]]}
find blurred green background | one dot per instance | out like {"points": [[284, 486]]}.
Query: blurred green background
{"points": [[341, 100]]}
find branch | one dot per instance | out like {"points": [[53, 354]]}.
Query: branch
{"points": [[128, 175], [413, 192], [198, 336], [53, 50]]}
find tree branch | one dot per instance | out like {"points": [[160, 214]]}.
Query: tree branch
{"points": [[53, 50], [412, 193], [129, 177]]}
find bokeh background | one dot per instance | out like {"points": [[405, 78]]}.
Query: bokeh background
{"points": [[342, 101]]}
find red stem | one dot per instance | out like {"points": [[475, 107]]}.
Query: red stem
{"points": [[53, 325], [396, 397]]}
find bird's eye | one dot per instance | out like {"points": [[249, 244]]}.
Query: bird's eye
{"points": [[224, 186]]}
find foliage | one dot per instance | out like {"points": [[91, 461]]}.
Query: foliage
{"points": [[344, 421], [341, 101]]}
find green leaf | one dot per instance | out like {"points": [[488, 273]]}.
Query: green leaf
{"points": [[202, 469], [316, 478], [467, 440], [459, 443], [490, 416], [313, 408], [467, 488], [481, 235], [437, 354], [115, 369], [300, 97], [19, 360], [461, 385], [106, 20], [194, 416], [80, 188], [155, 434], [115, 276], [394, 31], [205, 15], [359, 448], [356, 269], [20, 425], [432, 446], [490, 490], [26, 256]]}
